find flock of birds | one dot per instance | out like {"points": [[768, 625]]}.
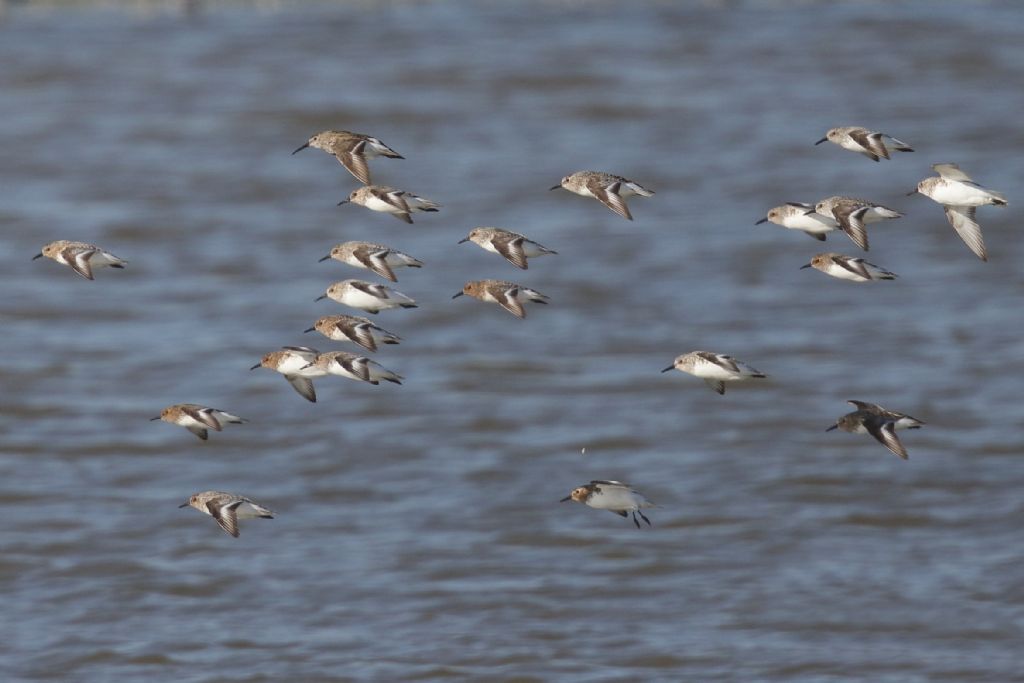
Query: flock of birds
{"points": [[952, 188]]}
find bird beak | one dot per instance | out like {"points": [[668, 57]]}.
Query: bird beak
{"points": [[909, 194], [565, 499], [184, 505], [154, 419], [458, 295], [824, 139], [556, 187], [325, 258], [805, 266], [40, 254], [808, 213], [293, 154], [464, 239], [832, 427], [763, 220], [343, 201], [671, 367], [256, 367], [322, 296], [307, 365], [305, 331]]}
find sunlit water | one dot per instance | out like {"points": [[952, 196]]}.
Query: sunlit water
{"points": [[419, 534]]}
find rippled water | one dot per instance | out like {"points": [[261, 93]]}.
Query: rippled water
{"points": [[419, 534]]}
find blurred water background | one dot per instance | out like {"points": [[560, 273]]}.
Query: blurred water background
{"points": [[419, 534]]}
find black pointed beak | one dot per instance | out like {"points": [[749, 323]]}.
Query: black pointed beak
{"points": [[805, 266], [321, 297], [154, 419], [183, 505], [300, 149], [325, 258], [257, 366], [307, 365], [343, 201], [808, 213], [824, 139], [312, 329], [671, 367], [763, 220], [556, 187], [40, 254], [456, 296], [909, 194], [565, 499], [464, 239], [835, 426]]}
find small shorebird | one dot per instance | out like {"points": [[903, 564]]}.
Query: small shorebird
{"points": [[853, 215], [616, 496], [867, 142], [354, 329], [354, 366], [880, 423], [227, 508], [611, 190], [293, 363], [514, 247], [197, 419], [802, 217], [848, 268], [714, 368], [398, 203], [352, 150], [959, 196], [506, 294], [367, 296], [374, 257], [81, 257]]}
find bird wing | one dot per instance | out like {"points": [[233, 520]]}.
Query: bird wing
{"points": [[508, 299], [78, 259], [373, 290], [352, 158], [951, 172], [850, 217], [962, 220], [303, 385], [225, 516], [854, 265], [376, 260], [885, 432], [609, 196], [512, 249], [204, 415], [872, 142]]}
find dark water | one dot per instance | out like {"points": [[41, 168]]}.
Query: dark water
{"points": [[419, 534]]}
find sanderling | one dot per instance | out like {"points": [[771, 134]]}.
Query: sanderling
{"points": [[900, 420], [879, 423], [514, 247], [227, 508], [853, 215], [196, 418], [352, 150], [959, 196], [714, 368], [620, 498], [610, 190], [293, 362], [367, 296], [848, 268], [80, 256], [797, 216], [864, 141], [506, 294], [354, 366], [375, 257], [355, 329], [398, 203]]}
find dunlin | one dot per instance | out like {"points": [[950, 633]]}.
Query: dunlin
{"points": [[227, 508], [620, 498], [197, 419], [514, 247], [848, 268], [714, 368], [367, 296], [508, 295], [867, 142], [853, 215], [375, 257], [293, 362], [959, 196], [352, 150], [797, 216], [354, 366], [81, 257], [355, 329], [610, 190], [879, 423], [398, 203]]}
